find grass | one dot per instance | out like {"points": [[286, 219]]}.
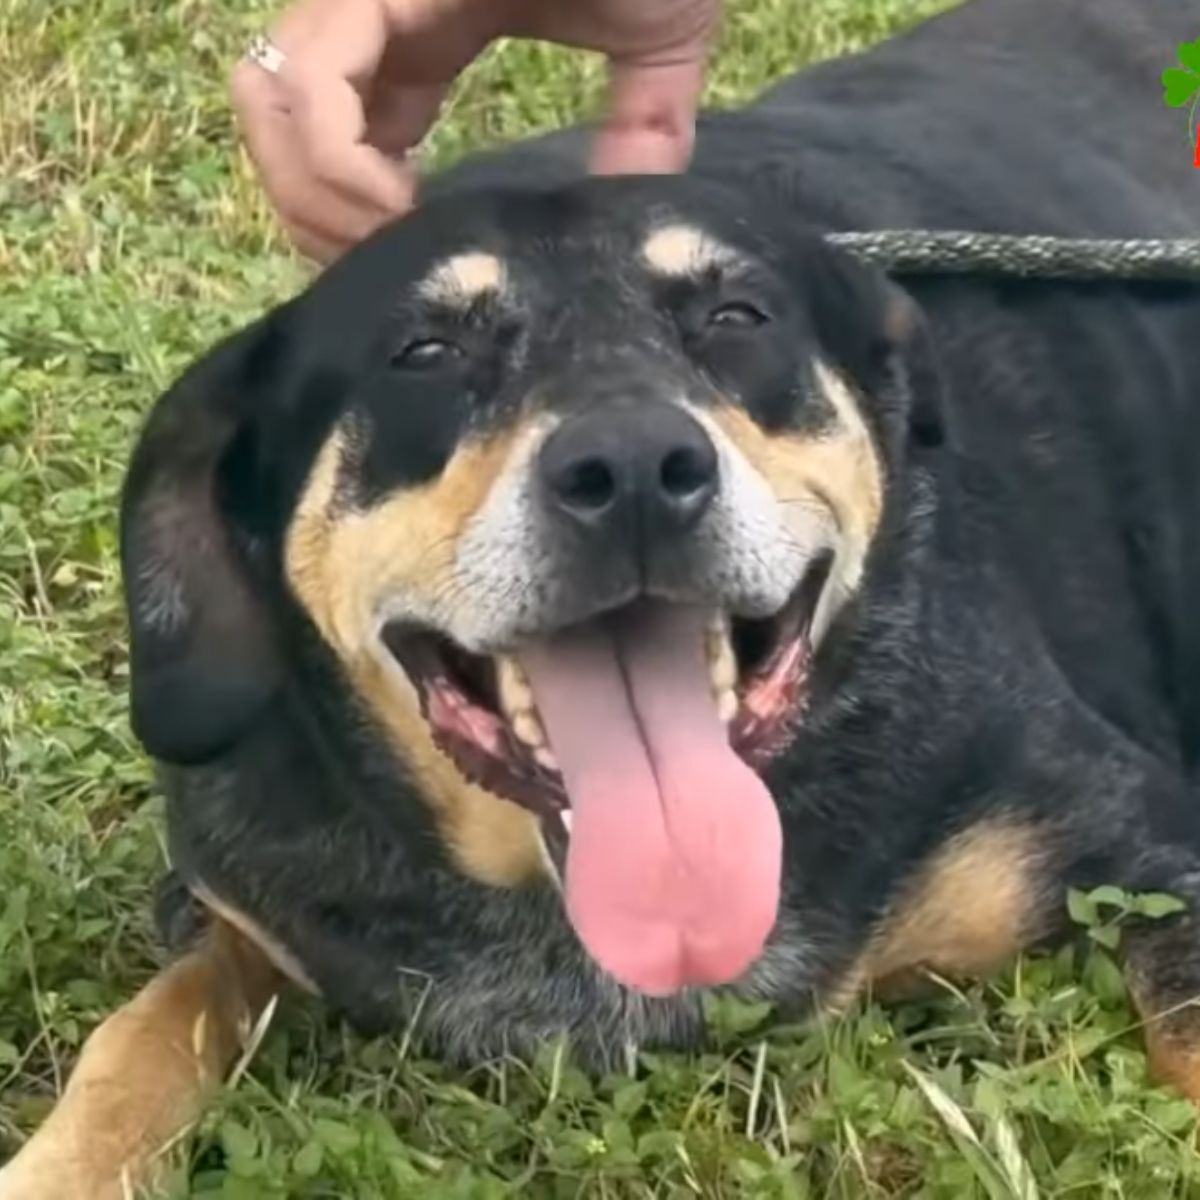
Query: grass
{"points": [[131, 236]]}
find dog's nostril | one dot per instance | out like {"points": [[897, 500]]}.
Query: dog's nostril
{"points": [[622, 467], [686, 472], [588, 485]]}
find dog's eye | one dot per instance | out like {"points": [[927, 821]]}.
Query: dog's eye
{"points": [[737, 314], [425, 353]]}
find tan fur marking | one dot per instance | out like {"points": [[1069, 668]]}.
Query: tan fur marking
{"points": [[1170, 1020], [145, 1075], [840, 468], [341, 566], [463, 278], [1172, 1047], [684, 250], [967, 912]]}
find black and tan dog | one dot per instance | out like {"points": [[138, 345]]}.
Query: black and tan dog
{"points": [[591, 592]]}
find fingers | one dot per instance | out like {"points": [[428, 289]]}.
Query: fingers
{"points": [[305, 127], [399, 115], [656, 78], [363, 80], [651, 123], [321, 219]]}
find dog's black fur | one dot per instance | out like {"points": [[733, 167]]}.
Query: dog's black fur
{"points": [[1024, 647]]}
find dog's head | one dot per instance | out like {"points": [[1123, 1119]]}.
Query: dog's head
{"points": [[573, 485]]}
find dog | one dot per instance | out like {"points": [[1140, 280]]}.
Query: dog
{"points": [[592, 592]]}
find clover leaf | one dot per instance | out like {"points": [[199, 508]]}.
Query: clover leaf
{"points": [[1181, 84]]}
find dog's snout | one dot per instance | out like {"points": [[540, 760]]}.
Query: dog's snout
{"points": [[650, 465]]}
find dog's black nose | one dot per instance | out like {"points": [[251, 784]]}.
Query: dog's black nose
{"points": [[649, 463]]}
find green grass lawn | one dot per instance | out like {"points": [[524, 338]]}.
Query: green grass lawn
{"points": [[131, 236]]}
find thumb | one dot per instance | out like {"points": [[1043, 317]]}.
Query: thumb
{"points": [[651, 123]]}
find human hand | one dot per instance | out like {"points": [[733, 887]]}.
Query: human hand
{"points": [[332, 131]]}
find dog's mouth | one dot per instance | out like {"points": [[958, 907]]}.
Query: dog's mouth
{"points": [[635, 738]]}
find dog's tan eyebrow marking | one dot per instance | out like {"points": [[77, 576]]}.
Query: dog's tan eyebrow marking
{"points": [[463, 278], [685, 250]]}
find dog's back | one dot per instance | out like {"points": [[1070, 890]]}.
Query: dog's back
{"points": [[1026, 116]]}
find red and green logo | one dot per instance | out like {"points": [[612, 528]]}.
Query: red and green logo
{"points": [[1181, 89]]}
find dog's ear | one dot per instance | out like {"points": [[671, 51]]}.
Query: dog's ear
{"points": [[907, 333], [204, 662], [876, 331]]}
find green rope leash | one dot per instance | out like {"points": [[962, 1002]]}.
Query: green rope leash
{"points": [[929, 252]]}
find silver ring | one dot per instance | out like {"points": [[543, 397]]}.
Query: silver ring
{"points": [[264, 53]]}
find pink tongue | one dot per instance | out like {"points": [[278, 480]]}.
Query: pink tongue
{"points": [[674, 860]]}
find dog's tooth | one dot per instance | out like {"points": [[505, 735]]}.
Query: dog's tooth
{"points": [[516, 696], [544, 757], [727, 704], [528, 728], [716, 630], [551, 865], [722, 663], [566, 816], [723, 671]]}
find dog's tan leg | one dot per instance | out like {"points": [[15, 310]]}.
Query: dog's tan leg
{"points": [[145, 1074], [1171, 1032], [1162, 966], [1173, 1054]]}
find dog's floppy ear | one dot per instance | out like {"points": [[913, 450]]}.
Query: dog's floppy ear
{"points": [[908, 334], [203, 657], [872, 326]]}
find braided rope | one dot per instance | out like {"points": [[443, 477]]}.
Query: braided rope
{"points": [[933, 252]]}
